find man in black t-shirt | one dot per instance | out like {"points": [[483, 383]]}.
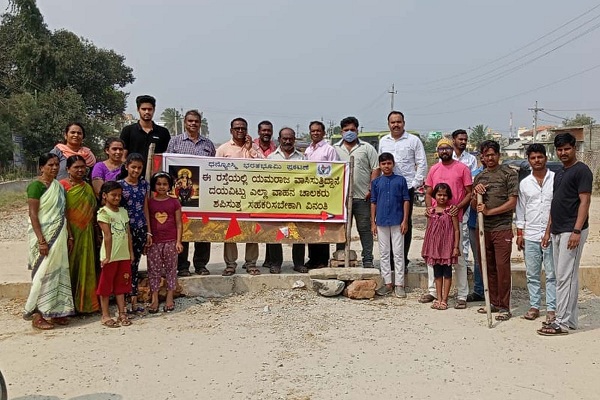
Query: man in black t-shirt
{"points": [[140, 135], [568, 230]]}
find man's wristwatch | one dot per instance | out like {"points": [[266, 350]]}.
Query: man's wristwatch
{"points": [[577, 231]]}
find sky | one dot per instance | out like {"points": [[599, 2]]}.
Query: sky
{"points": [[454, 64]]}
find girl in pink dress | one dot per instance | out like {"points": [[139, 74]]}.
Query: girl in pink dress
{"points": [[164, 239], [440, 246]]}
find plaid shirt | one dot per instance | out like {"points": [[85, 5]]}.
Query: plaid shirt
{"points": [[182, 144]]}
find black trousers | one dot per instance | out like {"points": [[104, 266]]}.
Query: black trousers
{"points": [[275, 254], [200, 259]]}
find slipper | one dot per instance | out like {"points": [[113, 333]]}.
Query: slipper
{"points": [[228, 271], [252, 270], [503, 316], [202, 271], [443, 306], [275, 269], [482, 310], [168, 309], [460, 304], [532, 314], [110, 323], [152, 310], [124, 320], [553, 329], [41, 323], [435, 305]]}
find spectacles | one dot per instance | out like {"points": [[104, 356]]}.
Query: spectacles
{"points": [[239, 129], [444, 149]]}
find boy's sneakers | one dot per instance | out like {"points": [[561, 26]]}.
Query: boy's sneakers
{"points": [[384, 290], [400, 292]]}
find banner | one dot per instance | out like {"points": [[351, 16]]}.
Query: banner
{"points": [[258, 189]]}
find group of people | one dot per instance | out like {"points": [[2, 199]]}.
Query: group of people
{"points": [[134, 217]]}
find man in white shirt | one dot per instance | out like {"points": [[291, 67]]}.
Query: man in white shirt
{"points": [[459, 142], [409, 161], [533, 212]]}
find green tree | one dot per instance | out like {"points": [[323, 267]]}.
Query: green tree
{"points": [[172, 119], [579, 120], [204, 131], [478, 135]]}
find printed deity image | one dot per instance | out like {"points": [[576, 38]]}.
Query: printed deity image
{"points": [[187, 184]]}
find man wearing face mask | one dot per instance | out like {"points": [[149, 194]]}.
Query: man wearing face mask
{"points": [[366, 168]]}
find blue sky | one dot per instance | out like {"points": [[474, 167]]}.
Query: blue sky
{"points": [[453, 64]]}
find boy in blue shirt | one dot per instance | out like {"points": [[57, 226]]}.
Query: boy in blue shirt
{"points": [[390, 205]]}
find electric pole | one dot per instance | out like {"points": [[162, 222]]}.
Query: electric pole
{"points": [[392, 93], [510, 126], [535, 119]]}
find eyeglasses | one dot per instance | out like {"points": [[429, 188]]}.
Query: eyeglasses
{"points": [[445, 149], [239, 128]]}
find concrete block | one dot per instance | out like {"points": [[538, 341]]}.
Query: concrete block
{"points": [[344, 274]]}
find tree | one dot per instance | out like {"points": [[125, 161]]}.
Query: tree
{"points": [[172, 119], [579, 120], [204, 128], [478, 135]]}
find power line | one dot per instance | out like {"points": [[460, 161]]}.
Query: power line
{"points": [[513, 96], [581, 109], [512, 52], [555, 116]]}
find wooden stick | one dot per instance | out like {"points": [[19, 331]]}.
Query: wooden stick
{"points": [[349, 212], [149, 163], [482, 255]]}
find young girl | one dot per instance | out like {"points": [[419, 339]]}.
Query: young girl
{"points": [[440, 246], [135, 201], [164, 239], [116, 254]]}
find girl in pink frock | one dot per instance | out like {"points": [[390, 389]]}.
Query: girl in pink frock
{"points": [[440, 246]]}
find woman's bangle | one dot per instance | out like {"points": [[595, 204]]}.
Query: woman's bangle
{"points": [[148, 234], [71, 238]]}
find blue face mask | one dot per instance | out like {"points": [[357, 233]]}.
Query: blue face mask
{"points": [[349, 136]]}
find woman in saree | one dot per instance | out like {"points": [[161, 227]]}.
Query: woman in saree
{"points": [[74, 135], [80, 213], [50, 299]]}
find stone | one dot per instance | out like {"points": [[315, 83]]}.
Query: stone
{"points": [[361, 289], [144, 295], [328, 287], [339, 255], [344, 274]]}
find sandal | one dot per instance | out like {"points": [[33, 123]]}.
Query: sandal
{"points": [[168, 309], [301, 269], [435, 305], [202, 271], [553, 329], [110, 323], [124, 320], [460, 304], [532, 314], [443, 306], [426, 298], [483, 310], [60, 321], [252, 270], [41, 323], [275, 269], [228, 271], [152, 310], [503, 316]]}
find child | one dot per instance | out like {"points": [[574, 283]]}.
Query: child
{"points": [[164, 239], [440, 246], [389, 222], [116, 254], [135, 201]]}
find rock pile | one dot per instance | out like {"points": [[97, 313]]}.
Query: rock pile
{"points": [[354, 283]]}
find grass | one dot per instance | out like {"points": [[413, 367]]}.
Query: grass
{"points": [[10, 201]]}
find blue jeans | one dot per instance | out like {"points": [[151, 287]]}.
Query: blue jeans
{"points": [[477, 276], [534, 256]]}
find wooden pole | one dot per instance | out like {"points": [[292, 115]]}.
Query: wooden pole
{"points": [[482, 255], [149, 161], [349, 212]]}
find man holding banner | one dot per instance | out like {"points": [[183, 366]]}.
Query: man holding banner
{"points": [[240, 146], [191, 142]]}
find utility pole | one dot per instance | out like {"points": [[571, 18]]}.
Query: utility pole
{"points": [[510, 126], [392, 93], [535, 119]]}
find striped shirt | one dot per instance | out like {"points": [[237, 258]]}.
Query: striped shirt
{"points": [[183, 144]]}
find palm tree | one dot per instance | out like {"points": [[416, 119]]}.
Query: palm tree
{"points": [[172, 119], [478, 135]]}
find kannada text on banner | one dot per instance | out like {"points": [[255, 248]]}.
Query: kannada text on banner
{"points": [[258, 188]]}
